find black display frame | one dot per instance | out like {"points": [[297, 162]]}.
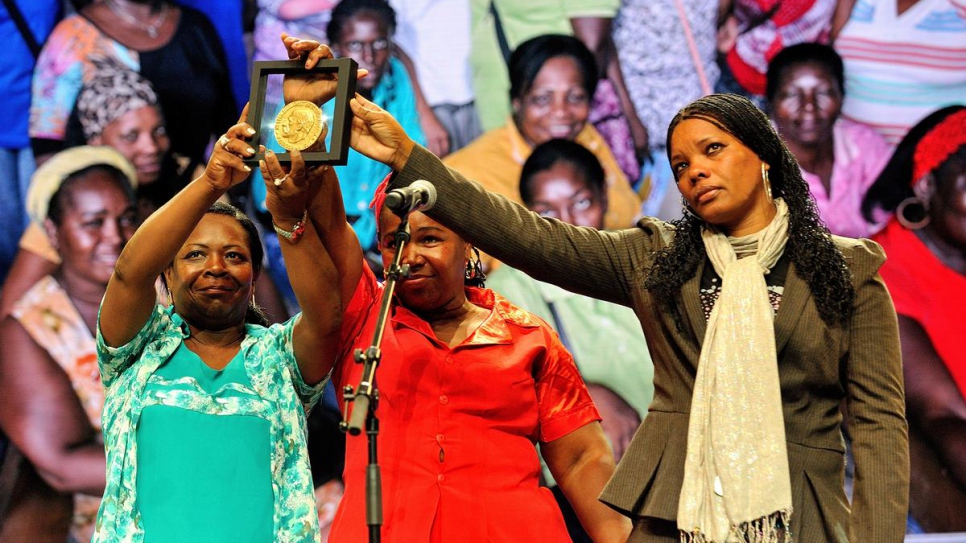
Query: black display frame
{"points": [[340, 126]]}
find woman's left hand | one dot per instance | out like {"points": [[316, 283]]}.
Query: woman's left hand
{"points": [[288, 190], [377, 135], [226, 167]]}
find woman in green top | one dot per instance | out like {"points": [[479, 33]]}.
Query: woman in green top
{"points": [[204, 416]]}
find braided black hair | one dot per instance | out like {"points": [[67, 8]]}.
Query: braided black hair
{"points": [[817, 260]]}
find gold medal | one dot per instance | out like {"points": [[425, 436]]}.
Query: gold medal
{"points": [[299, 125]]}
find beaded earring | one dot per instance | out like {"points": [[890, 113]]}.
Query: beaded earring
{"points": [[473, 274]]}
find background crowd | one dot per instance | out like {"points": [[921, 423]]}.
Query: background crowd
{"points": [[111, 107]]}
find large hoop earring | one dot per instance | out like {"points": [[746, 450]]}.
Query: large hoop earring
{"points": [[764, 179], [687, 209], [473, 274], [903, 208]]}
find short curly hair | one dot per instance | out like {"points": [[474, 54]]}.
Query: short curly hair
{"points": [[346, 9], [557, 151]]}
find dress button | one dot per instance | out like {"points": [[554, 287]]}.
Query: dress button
{"points": [[440, 477], [443, 399], [449, 360], [440, 438]]}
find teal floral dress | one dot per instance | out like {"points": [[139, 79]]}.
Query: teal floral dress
{"points": [[277, 394]]}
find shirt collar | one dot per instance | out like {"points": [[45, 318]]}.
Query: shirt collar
{"points": [[496, 328], [520, 150], [252, 331]]}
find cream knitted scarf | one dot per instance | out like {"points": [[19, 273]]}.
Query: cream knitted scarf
{"points": [[736, 481]]}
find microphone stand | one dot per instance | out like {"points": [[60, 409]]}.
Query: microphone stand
{"points": [[365, 398]]}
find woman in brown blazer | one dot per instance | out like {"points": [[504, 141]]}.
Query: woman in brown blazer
{"points": [[786, 321]]}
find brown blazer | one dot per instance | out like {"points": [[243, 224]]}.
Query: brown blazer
{"points": [[819, 365]]}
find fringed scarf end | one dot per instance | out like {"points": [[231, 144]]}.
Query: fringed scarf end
{"points": [[773, 528], [694, 536]]}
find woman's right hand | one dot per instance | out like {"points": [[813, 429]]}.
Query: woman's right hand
{"points": [[377, 135], [226, 167], [288, 193], [316, 87]]}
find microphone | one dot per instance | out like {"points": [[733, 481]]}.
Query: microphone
{"points": [[419, 196]]}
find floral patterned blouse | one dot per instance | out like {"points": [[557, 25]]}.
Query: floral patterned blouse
{"points": [[270, 363], [51, 319], [47, 313]]}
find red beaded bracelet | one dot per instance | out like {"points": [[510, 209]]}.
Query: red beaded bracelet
{"points": [[297, 230]]}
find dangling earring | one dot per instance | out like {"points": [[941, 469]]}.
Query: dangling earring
{"points": [[764, 179], [473, 274], [687, 209], [164, 294], [905, 221]]}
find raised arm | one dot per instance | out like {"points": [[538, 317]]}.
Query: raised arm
{"points": [[315, 281], [599, 264], [40, 413], [130, 295], [326, 211], [843, 10]]}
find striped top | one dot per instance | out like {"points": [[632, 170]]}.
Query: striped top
{"points": [[765, 27], [900, 68]]}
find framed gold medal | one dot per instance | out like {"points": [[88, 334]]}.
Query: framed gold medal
{"points": [[319, 131]]}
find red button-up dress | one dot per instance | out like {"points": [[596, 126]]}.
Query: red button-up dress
{"points": [[459, 427]]}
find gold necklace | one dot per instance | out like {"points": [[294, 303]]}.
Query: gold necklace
{"points": [[151, 29]]}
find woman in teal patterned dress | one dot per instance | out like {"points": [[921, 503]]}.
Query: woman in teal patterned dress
{"points": [[204, 417]]}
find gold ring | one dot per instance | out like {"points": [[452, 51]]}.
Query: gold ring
{"points": [[224, 141]]}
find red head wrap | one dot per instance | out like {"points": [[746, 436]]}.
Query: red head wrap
{"points": [[938, 144]]}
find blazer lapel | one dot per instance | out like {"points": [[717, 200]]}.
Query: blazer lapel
{"points": [[691, 292], [794, 296]]}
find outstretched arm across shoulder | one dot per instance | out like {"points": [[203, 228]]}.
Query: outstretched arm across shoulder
{"points": [[600, 264]]}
